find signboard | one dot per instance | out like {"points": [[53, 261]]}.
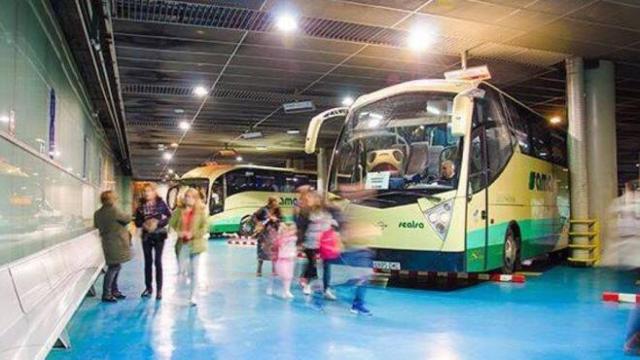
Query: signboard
{"points": [[377, 180]]}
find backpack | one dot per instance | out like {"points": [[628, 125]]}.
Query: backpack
{"points": [[330, 246]]}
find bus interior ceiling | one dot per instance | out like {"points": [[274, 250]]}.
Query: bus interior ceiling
{"points": [[164, 49]]}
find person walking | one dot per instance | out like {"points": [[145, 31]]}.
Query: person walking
{"points": [[266, 219], [190, 222], [116, 243], [152, 216], [285, 259]]}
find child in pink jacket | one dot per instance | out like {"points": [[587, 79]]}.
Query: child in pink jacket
{"points": [[286, 258]]}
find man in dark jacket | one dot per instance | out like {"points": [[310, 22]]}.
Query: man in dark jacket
{"points": [[116, 243], [152, 216]]}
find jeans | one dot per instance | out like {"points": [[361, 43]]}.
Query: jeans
{"points": [[110, 283], [188, 265], [360, 291], [310, 270], [326, 274], [150, 246]]}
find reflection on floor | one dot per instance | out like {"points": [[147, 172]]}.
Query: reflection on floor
{"points": [[556, 315]]}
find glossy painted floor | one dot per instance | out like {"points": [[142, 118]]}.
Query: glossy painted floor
{"points": [[557, 315]]}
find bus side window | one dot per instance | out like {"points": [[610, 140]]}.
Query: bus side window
{"points": [[518, 122], [540, 139]]}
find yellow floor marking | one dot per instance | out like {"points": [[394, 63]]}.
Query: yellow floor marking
{"points": [[529, 273]]}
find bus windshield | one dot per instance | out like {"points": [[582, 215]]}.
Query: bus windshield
{"points": [[400, 143]]}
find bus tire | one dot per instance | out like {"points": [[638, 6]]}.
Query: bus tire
{"points": [[511, 251], [246, 226]]}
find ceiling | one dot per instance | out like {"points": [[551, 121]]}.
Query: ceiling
{"points": [[344, 48]]}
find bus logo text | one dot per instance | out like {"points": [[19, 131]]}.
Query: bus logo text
{"points": [[540, 182], [411, 225], [288, 201]]}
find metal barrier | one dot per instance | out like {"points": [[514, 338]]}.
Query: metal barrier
{"points": [[593, 247]]}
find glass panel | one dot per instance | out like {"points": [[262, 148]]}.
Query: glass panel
{"points": [[405, 138]]}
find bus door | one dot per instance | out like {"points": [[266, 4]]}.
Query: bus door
{"points": [[477, 203]]}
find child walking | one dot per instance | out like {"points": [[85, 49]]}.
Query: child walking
{"points": [[190, 222], [286, 257]]}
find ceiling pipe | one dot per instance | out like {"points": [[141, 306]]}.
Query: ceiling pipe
{"points": [[105, 87]]}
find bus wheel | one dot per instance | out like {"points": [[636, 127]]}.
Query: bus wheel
{"points": [[246, 226], [510, 252]]}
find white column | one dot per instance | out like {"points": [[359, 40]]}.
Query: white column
{"points": [[601, 139], [577, 149]]}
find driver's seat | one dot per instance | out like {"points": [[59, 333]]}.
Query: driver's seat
{"points": [[418, 158]]}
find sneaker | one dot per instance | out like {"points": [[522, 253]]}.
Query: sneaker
{"points": [[306, 289], [192, 302], [269, 291], [360, 309], [146, 293], [329, 295], [287, 295], [119, 295]]}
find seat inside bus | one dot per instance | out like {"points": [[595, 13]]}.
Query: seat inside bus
{"points": [[418, 158]]}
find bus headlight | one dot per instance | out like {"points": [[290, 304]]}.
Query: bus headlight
{"points": [[440, 217]]}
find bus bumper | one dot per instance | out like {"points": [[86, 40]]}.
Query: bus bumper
{"points": [[393, 259]]}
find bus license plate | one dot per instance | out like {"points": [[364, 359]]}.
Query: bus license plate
{"points": [[386, 265]]}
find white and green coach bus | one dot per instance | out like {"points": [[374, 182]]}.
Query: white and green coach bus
{"points": [[233, 193], [457, 175]]}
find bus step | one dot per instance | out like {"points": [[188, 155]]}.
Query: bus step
{"points": [[586, 233], [582, 246]]}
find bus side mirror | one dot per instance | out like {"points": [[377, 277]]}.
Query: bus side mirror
{"points": [[461, 114], [316, 123]]}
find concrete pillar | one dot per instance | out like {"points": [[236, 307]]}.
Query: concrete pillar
{"points": [[577, 149], [600, 99], [322, 169]]}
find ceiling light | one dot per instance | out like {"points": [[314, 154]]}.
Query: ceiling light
{"points": [[4, 118], [170, 171], [174, 145], [286, 23], [293, 132], [261, 148], [178, 111], [433, 110], [347, 101], [184, 125], [200, 91], [251, 135], [238, 158], [418, 39], [167, 155], [555, 120]]}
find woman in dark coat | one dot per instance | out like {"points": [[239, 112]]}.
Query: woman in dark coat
{"points": [[116, 243], [152, 216]]}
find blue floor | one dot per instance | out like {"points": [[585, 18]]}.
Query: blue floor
{"points": [[557, 315]]}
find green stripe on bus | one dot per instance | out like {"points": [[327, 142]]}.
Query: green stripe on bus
{"points": [[538, 237]]}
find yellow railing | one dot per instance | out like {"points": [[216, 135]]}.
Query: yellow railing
{"points": [[593, 234]]}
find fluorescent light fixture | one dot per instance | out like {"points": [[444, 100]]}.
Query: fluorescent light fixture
{"points": [[174, 145], [347, 101], [184, 125], [419, 39], [4, 118], [200, 91], [261, 148], [286, 23], [293, 132], [555, 120], [251, 135], [167, 155], [238, 158], [170, 171], [178, 111]]}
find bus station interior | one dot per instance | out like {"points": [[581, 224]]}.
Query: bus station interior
{"points": [[102, 95]]}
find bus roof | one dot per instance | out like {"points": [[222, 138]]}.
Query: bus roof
{"points": [[441, 85], [212, 171]]}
